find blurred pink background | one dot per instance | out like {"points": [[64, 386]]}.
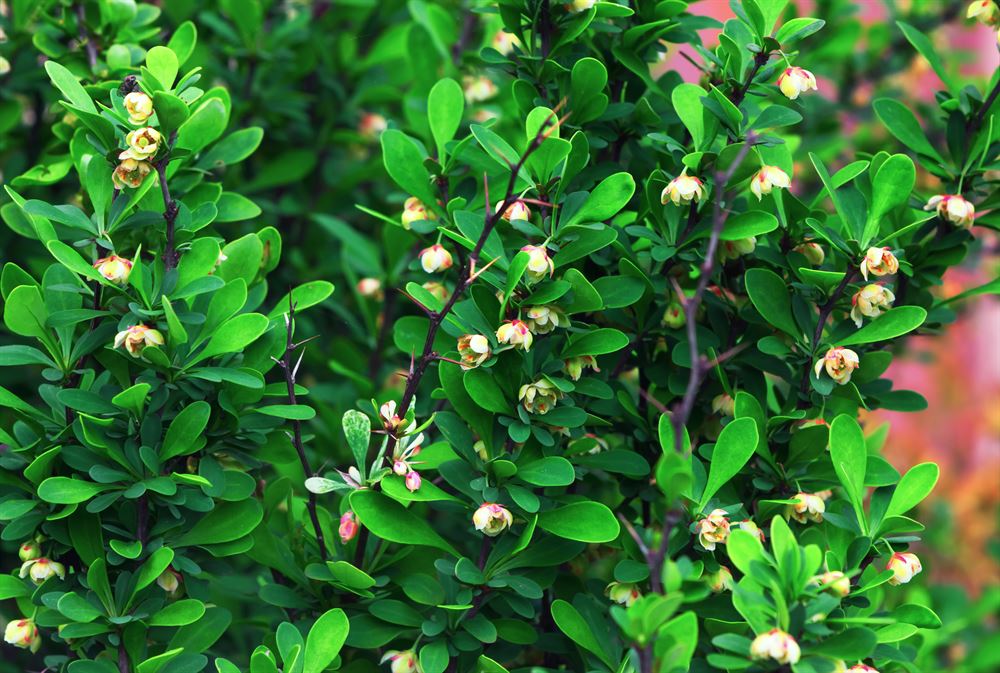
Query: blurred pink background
{"points": [[959, 371]]}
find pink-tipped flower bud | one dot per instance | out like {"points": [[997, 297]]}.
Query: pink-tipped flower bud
{"points": [[777, 645], [515, 333], [833, 582], [23, 633], [794, 81], [114, 269], [953, 208], [435, 259], [492, 519], [719, 581], [371, 126], [623, 593], [518, 210], [414, 210], [540, 264], [370, 288], [348, 528], [404, 661], [812, 251], [767, 179], [137, 338], [904, 566], [682, 190], [723, 404], [413, 480]]}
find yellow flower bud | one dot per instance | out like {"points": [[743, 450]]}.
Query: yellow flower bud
{"points": [[371, 126], [435, 258], [139, 107], [545, 318], [539, 263], [478, 89], [776, 645], [539, 396], [370, 288], [114, 269], [29, 551], [623, 593], [142, 144], [130, 173], [984, 11], [812, 252], [577, 6], [518, 210], [515, 333], [674, 317], [719, 581], [794, 81], [24, 634], [170, 581], [136, 338], [870, 301], [749, 526], [738, 248], [808, 508], [724, 405], [436, 289], [504, 42], [492, 519], [862, 668], [4, 66], [904, 566], [574, 366], [474, 350], [713, 529], [834, 582], [767, 179], [953, 208], [879, 262], [682, 190], [415, 211], [840, 363], [401, 661]]}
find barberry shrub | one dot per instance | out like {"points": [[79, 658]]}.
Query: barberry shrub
{"points": [[634, 320]]}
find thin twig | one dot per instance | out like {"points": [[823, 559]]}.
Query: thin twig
{"points": [[85, 38], [170, 207], [290, 371], [824, 314]]}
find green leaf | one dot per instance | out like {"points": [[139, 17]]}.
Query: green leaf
{"points": [[206, 123], [769, 294], [77, 608], [750, 223], [736, 443], [851, 645], [295, 412], [686, 99], [70, 86], [912, 488], [445, 107], [24, 313], [163, 64], [132, 399], [850, 460], [404, 162], [891, 324], [305, 296], [606, 199], [891, 189], [153, 567], [324, 641], [485, 391], [926, 48], [571, 622], [596, 342], [358, 431], [904, 125], [227, 522], [587, 81], [235, 335], [549, 471], [232, 149], [582, 521], [184, 436], [797, 29], [181, 613], [171, 112], [66, 491], [389, 520], [183, 42]]}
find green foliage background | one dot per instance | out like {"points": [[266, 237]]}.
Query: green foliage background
{"points": [[317, 202]]}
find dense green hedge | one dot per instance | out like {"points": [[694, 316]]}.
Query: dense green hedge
{"points": [[468, 337]]}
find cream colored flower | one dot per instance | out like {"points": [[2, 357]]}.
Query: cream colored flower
{"points": [[767, 179], [776, 645], [390, 419], [515, 333], [954, 209], [114, 269], [436, 289], [139, 107], [840, 363], [834, 582], [142, 144], [478, 89], [577, 6], [414, 210], [169, 581], [130, 173], [984, 11], [136, 338], [492, 519], [545, 318], [812, 251], [749, 526], [794, 81], [904, 566], [879, 262], [870, 302], [474, 350], [540, 264], [539, 396], [371, 126], [682, 190], [504, 42], [623, 593], [719, 581], [370, 287], [23, 633], [4, 66], [435, 259], [518, 210], [574, 366], [808, 508], [41, 569], [723, 404], [713, 529]]}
